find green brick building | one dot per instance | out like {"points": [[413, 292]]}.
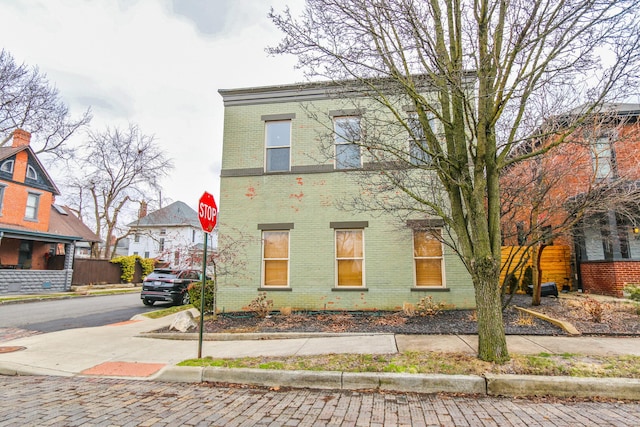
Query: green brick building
{"points": [[280, 204]]}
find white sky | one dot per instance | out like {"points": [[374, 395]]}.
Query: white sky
{"points": [[155, 63]]}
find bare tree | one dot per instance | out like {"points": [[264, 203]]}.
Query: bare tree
{"points": [[28, 101], [487, 72], [118, 168]]}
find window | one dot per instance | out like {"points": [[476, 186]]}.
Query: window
{"points": [[31, 212], [2, 187], [7, 166], [136, 238], [193, 236], [275, 259], [163, 231], [31, 173], [349, 257], [278, 143], [161, 248], [427, 257], [418, 150], [347, 136], [602, 157], [146, 254]]}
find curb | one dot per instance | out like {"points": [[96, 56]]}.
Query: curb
{"points": [[253, 336], [328, 380], [489, 385]]}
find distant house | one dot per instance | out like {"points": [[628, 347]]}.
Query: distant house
{"points": [[172, 235], [32, 228]]}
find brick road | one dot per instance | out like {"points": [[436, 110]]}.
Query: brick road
{"points": [[64, 401]]}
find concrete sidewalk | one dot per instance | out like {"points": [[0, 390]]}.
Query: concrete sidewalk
{"points": [[123, 351]]}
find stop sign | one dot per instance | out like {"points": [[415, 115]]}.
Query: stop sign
{"points": [[207, 212]]}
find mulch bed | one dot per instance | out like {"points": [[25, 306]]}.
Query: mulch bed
{"points": [[463, 322]]}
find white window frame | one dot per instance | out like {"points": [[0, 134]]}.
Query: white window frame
{"points": [[268, 148], [31, 173], [7, 166], [416, 258], [2, 191], [417, 155], [35, 207], [287, 259], [341, 140], [602, 156], [337, 259]]}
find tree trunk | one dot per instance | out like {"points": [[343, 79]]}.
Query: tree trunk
{"points": [[492, 342], [536, 276]]}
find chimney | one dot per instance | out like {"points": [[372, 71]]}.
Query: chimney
{"points": [[21, 138], [143, 210]]}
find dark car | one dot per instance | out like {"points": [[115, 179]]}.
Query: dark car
{"points": [[168, 285]]}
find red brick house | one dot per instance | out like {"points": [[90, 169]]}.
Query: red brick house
{"points": [[598, 167], [32, 228]]}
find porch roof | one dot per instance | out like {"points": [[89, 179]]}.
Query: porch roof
{"points": [[19, 233]]}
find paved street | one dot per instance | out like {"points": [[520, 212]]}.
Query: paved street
{"points": [[63, 401]]}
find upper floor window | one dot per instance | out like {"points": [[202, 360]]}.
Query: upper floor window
{"points": [[275, 258], [418, 149], [347, 137], [7, 166], [2, 187], [31, 211], [278, 145], [603, 157], [427, 257], [161, 244], [136, 238], [163, 231], [31, 173]]}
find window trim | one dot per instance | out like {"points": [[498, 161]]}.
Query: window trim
{"points": [[3, 188], [415, 258], [424, 158], [9, 166], [263, 273], [36, 208], [362, 258], [336, 119], [268, 148], [31, 171]]}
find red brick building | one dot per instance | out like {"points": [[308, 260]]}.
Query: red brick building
{"points": [[585, 193], [32, 228]]}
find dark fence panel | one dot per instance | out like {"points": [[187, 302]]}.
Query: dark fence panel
{"points": [[99, 271]]}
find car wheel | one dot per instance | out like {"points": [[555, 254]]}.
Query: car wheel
{"points": [[186, 299], [147, 302]]}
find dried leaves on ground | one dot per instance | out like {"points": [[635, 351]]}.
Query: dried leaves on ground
{"points": [[588, 315]]}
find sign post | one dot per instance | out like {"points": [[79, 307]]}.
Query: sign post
{"points": [[208, 216]]}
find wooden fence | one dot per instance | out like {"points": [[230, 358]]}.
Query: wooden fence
{"points": [[555, 263], [100, 271]]}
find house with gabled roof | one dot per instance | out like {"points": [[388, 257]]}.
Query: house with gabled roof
{"points": [[32, 227], [172, 235]]}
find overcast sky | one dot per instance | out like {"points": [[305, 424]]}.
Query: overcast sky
{"points": [[155, 63]]}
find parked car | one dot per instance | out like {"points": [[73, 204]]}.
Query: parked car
{"points": [[168, 285]]}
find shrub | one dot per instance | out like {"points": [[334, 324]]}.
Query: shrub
{"points": [[147, 264], [427, 307], [527, 278], [633, 291], [261, 306], [195, 295], [127, 267]]}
